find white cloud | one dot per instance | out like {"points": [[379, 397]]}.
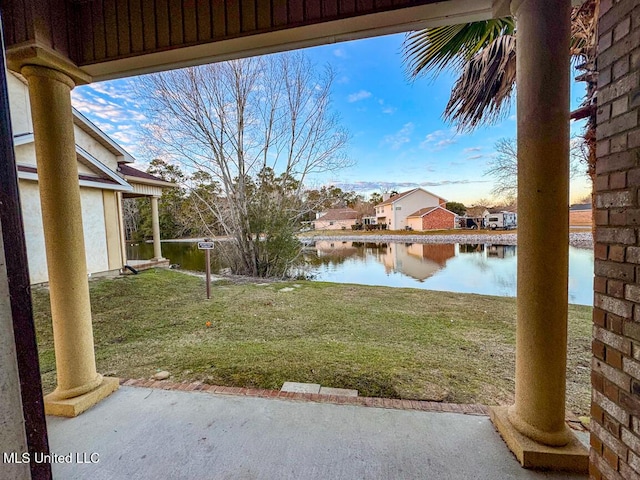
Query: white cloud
{"points": [[123, 138], [112, 112], [472, 149], [388, 109], [356, 97], [475, 157], [438, 140], [340, 53], [119, 90], [383, 185], [396, 140]]}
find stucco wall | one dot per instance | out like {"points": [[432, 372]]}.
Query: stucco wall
{"points": [[26, 154], [95, 148], [415, 223], [32, 219], [337, 224], [615, 376], [112, 223], [19, 105], [93, 221], [95, 234]]}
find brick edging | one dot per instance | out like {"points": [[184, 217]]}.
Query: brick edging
{"points": [[391, 403]]}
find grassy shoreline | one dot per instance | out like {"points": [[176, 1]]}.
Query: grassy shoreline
{"points": [[382, 341]]}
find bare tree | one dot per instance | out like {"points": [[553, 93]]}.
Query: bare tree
{"points": [[260, 127], [504, 167], [131, 218]]}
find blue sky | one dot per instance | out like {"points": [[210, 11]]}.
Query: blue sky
{"points": [[398, 138]]}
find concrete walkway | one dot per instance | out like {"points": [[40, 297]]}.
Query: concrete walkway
{"points": [[143, 433]]}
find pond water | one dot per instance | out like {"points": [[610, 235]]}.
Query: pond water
{"points": [[466, 268]]}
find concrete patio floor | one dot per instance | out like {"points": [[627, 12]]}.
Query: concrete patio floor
{"points": [[145, 433]]}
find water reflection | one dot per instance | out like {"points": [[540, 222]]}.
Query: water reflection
{"points": [[465, 268]]}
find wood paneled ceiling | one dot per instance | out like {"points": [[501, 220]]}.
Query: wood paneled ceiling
{"points": [[115, 38]]}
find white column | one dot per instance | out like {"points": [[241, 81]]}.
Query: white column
{"points": [[155, 221], [543, 30], [534, 427], [50, 98]]}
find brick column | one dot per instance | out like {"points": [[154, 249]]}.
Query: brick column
{"points": [[615, 406]]}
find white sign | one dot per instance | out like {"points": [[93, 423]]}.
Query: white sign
{"points": [[205, 245]]}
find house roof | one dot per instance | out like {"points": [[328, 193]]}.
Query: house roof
{"points": [[340, 214], [30, 172], [426, 211], [580, 206], [397, 197], [135, 175]]}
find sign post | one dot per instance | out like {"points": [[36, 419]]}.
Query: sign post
{"points": [[207, 246]]}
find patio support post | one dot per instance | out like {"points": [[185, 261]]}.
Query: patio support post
{"points": [[155, 221], [79, 384], [121, 226], [534, 427]]}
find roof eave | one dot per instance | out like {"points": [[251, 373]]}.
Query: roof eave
{"points": [[148, 181]]}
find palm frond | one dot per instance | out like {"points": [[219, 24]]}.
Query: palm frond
{"points": [[482, 92], [584, 21], [433, 49]]}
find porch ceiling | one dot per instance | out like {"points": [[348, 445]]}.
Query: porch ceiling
{"points": [[96, 41]]}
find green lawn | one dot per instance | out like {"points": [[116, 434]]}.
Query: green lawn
{"points": [[388, 342]]}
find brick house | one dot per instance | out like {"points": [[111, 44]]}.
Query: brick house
{"points": [[615, 401], [432, 218], [393, 211], [581, 214]]}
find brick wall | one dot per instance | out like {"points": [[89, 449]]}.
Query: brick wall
{"points": [[615, 406], [438, 219], [581, 218]]}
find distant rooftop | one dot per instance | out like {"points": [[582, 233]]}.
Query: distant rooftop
{"points": [[425, 211], [129, 171], [340, 214], [580, 206]]}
